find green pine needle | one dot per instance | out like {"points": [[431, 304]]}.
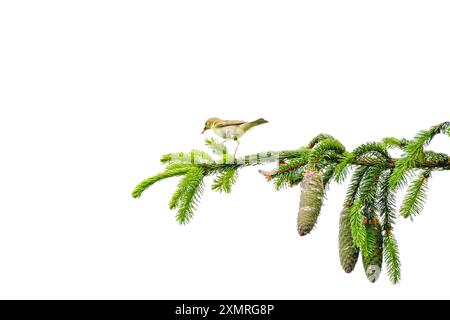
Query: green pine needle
{"points": [[367, 201], [171, 171], [391, 143], [423, 138], [317, 139], [401, 174], [369, 183], [187, 195], [290, 173], [359, 231], [225, 180], [416, 195], [392, 258], [322, 148], [371, 150], [353, 188], [371, 241], [414, 153], [183, 185], [343, 168], [287, 179], [386, 201], [328, 174]]}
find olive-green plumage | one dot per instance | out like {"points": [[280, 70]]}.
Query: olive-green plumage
{"points": [[348, 252], [311, 199], [231, 129], [374, 261]]}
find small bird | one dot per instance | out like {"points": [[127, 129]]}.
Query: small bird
{"points": [[231, 129]]}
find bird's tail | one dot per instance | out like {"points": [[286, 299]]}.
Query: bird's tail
{"points": [[255, 123]]}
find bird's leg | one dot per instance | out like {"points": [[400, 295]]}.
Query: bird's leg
{"points": [[223, 144], [234, 155]]}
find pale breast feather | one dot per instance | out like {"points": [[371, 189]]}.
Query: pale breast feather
{"points": [[229, 132]]}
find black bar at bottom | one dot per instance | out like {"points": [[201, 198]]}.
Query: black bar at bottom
{"points": [[198, 309]]}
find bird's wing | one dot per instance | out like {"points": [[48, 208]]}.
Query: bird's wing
{"points": [[227, 123]]}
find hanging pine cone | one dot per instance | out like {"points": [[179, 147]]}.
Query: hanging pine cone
{"points": [[348, 252], [373, 262], [311, 198]]}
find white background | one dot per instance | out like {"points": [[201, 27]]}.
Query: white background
{"points": [[93, 92]]}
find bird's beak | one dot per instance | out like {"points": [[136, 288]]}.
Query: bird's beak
{"points": [[204, 129]]}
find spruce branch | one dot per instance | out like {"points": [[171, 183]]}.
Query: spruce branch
{"points": [[325, 148], [414, 154], [320, 137], [289, 172], [392, 257], [343, 167], [193, 157], [391, 143], [225, 180], [187, 195], [171, 171], [414, 149], [368, 188], [373, 231], [370, 195], [386, 201], [415, 197], [287, 178], [358, 225], [353, 188], [371, 150]]}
